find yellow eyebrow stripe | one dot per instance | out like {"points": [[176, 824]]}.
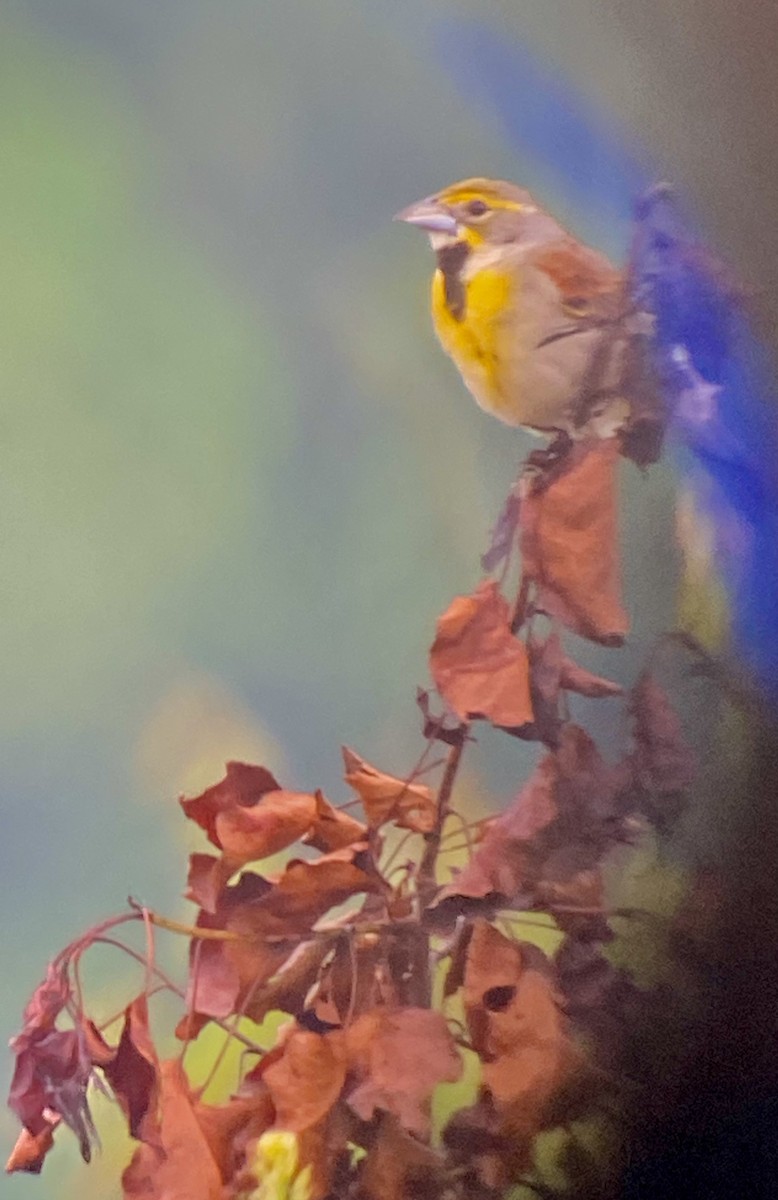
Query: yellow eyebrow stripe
{"points": [[492, 201]]}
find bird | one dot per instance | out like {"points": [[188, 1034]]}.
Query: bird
{"points": [[532, 317]]}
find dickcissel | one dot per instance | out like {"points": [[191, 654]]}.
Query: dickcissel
{"points": [[522, 307]]}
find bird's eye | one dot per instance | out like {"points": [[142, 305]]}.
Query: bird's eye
{"points": [[477, 208]]}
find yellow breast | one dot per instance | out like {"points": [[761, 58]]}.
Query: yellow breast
{"points": [[486, 340]]}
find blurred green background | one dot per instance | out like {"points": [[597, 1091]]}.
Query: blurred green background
{"points": [[239, 480]]}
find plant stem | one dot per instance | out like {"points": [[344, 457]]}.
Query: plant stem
{"points": [[426, 881]]}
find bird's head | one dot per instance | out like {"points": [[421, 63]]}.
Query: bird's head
{"points": [[474, 212]]}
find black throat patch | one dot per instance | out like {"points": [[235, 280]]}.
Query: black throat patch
{"points": [[451, 260]]}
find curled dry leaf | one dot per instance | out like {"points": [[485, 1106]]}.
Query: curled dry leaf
{"points": [[577, 679], [569, 544], [182, 1166], [53, 1066], [479, 667], [133, 1071], [399, 1056], [501, 863], [242, 786], [268, 921], [551, 672], [230, 1129], [306, 890], [306, 1080], [517, 1030], [30, 1150], [398, 1166], [443, 728], [334, 829], [387, 798], [545, 659], [503, 535], [223, 973], [277, 820], [662, 761], [205, 880]]}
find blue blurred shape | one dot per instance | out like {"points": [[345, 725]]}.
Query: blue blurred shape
{"points": [[717, 381]]}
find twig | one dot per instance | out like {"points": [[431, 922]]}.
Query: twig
{"points": [[176, 990], [425, 879]]}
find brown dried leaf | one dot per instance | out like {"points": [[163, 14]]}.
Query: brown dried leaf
{"points": [[307, 890], [229, 1128], [569, 544], [398, 1166], [399, 1056], [437, 728], [30, 1150], [268, 921], [479, 667], [46, 1002], [182, 1167], [577, 679], [559, 890], [133, 1073], [517, 1029], [207, 876], [588, 788], [334, 829], [287, 988], [545, 658], [242, 786], [663, 761], [503, 535], [387, 798], [276, 821], [51, 1076], [306, 1080], [500, 864], [224, 973]]}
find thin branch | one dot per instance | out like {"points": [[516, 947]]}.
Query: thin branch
{"points": [[426, 881]]}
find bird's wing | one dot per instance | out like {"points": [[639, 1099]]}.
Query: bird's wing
{"points": [[589, 286]]}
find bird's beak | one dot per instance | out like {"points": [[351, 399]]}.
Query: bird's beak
{"points": [[429, 214]]}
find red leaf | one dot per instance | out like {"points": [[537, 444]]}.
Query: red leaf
{"points": [[47, 1001], [133, 1071], [569, 544], [207, 876], [479, 667], [51, 1078]]}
